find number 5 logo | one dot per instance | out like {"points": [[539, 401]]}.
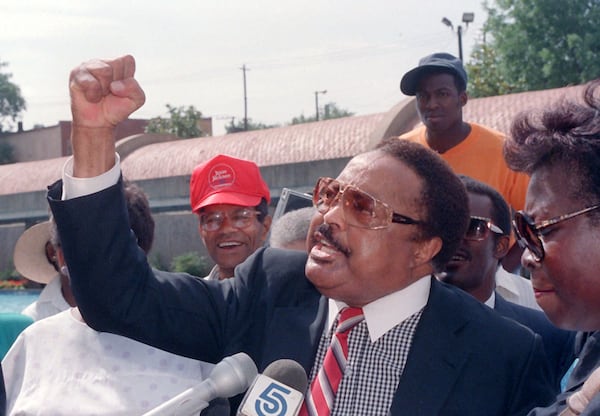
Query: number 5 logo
{"points": [[272, 401]]}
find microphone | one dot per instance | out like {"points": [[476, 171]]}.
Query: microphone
{"points": [[278, 391], [228, 378]]}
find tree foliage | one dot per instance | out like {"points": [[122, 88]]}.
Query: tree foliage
{"points": [[537, 44], [485, 75], [192, 263], [330, 111], [182, 122], [12, 102], [238, 126]]}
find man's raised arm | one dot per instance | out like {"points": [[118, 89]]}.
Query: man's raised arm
{"points": [[103, 93]]}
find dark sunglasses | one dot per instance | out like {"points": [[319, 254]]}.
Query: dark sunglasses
{"points": [[480, 227], [531, 235], [360, 209]]}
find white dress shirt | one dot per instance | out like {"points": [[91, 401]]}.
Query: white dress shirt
{"points": [[515, 289], [50, 302]]}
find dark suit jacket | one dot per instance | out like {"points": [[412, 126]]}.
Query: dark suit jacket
{"points": [[559, 344], [465, 359]]}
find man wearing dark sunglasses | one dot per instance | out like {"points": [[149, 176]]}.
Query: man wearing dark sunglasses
{"points": [[474, 266], [402, 343], [559, 227]]}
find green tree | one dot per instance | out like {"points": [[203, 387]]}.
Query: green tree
{"points": [[330, 111], [192, 263], [182, 122], [238, 126], [11, 101], [538, 44], [485, 77]]}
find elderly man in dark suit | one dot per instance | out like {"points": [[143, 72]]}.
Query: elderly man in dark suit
{"points": [[409, 344]]}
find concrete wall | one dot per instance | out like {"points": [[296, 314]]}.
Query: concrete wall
{"points": [[176, 227], [44, 143], [53, 142], [8, 237]]}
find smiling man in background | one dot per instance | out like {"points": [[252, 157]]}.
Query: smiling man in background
{"points": [[231, 200]]}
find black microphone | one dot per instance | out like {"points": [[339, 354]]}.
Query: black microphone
{"points": [[278, 391], [228, 378]]}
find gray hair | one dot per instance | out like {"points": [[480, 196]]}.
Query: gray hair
{"points": [[291, 227]]}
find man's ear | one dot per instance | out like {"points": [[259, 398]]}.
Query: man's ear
{"points": [[427, 250], [501, 247], [463, 97]]}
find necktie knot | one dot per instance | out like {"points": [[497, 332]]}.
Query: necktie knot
{"points": [[321, 395], [348, 319]]}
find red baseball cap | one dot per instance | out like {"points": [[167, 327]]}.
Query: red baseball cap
{"points": [[227, 180]]}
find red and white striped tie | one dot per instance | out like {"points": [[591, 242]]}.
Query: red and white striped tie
{"points": [[319, 399]]}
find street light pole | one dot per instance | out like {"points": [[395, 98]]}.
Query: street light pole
{"points": [[317, 102], [460, 53], [466, 18]]}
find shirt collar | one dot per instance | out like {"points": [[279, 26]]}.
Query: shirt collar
{"points": [[503, 281], [491, 302], [385, 313]]}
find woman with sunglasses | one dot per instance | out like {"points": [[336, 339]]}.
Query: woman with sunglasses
{"points": [[560, 225]]}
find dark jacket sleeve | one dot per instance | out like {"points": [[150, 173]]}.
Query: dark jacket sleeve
{"points": [[559, 345], [117, 290]]}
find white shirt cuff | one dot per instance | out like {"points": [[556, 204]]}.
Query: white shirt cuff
{"points": [[75, 187]]}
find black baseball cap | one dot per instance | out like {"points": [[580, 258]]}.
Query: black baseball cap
{"points": [[410, 80]]}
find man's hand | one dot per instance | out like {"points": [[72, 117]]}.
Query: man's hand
{"points": [[103, 93]]}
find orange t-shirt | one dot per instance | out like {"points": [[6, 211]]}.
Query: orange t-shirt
{"points": [[480, 157]]}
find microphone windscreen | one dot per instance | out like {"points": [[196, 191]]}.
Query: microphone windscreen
{"points": [[233, 375], [288, 372]]}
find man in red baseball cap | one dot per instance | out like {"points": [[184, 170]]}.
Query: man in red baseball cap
{"points": [[231, 200]]}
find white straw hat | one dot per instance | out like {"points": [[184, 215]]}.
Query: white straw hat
{"points": [[30, 254]]}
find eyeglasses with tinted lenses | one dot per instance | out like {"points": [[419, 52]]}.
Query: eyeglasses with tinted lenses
{"points": [[360, 209], [530, 234], [242, 218], [480, 227]]}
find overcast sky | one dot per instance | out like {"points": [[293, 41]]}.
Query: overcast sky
{"points": [[189, 52]]}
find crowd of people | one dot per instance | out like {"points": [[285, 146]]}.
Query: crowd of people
{"points": [[394, 292]]}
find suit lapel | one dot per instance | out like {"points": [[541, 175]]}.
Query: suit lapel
{"points": [[436, 357], [502, 306], [295, 331]]}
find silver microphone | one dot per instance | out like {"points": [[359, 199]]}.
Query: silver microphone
{"points": [[228, 378]]}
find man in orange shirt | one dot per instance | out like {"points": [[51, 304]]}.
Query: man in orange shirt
{"points": [[439, 83]]}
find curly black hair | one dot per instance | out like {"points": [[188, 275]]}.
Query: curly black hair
{"points": [[501, 214], [567, 135], [443, 195]]}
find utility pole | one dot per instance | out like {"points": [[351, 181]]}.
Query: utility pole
{"points": [[317, 102], [244, 69]]}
